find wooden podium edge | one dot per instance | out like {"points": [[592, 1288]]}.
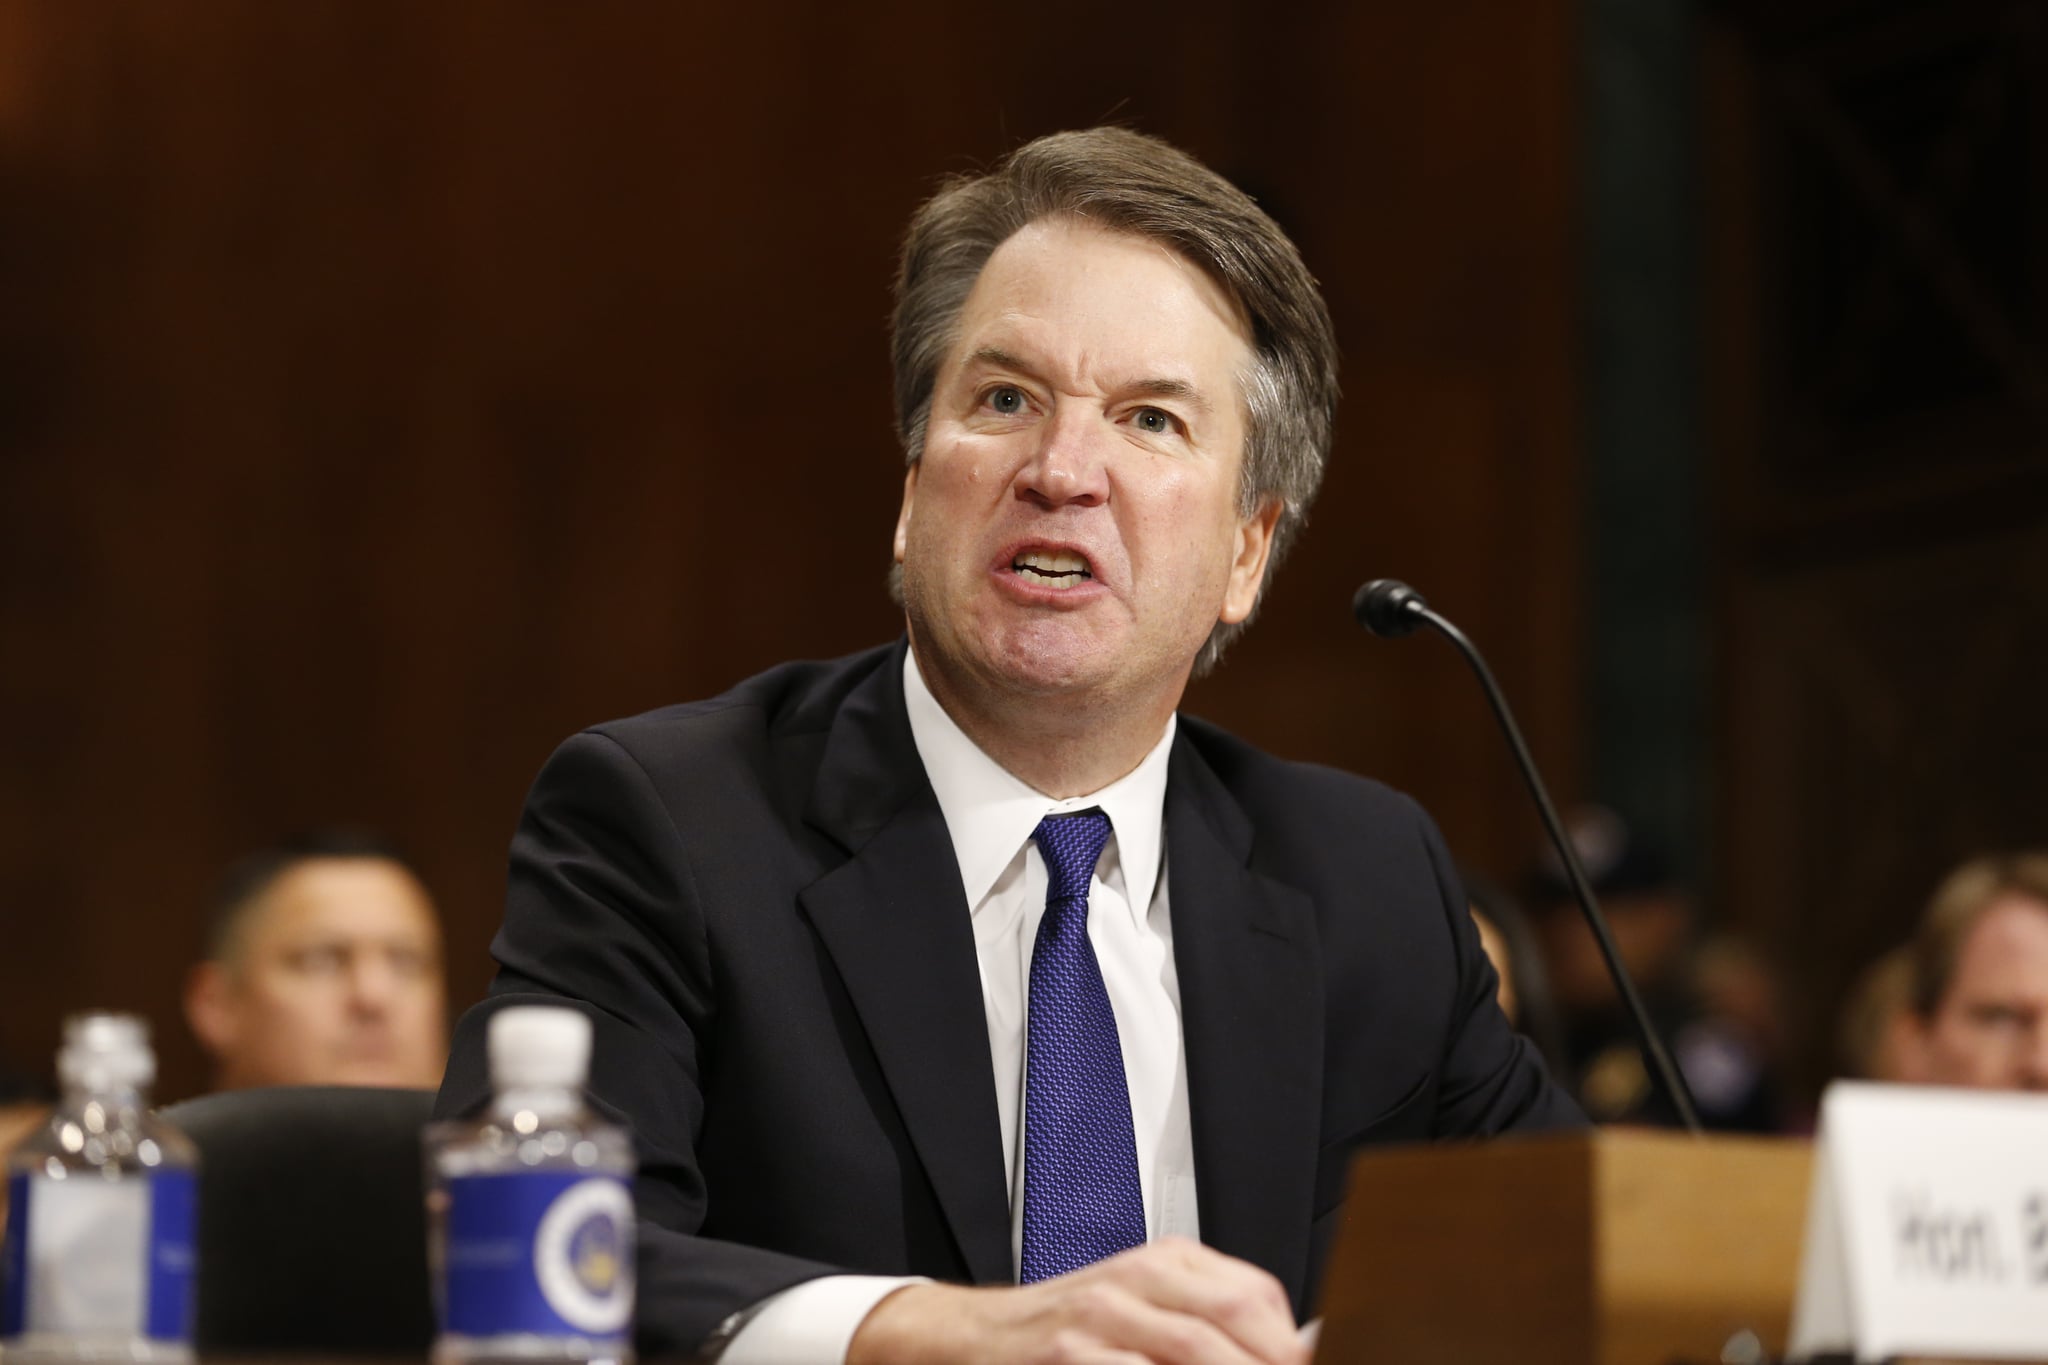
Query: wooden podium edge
{"points": [[1616, 1247]]}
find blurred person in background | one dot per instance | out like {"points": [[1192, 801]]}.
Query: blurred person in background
{"points": [[1715, 1003], [1873, 1040], [1510, 944], [322, 967], [1978, 1010]]}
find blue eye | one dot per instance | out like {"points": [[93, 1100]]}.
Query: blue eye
{"points": [[1154, 421], [1006, 400]]}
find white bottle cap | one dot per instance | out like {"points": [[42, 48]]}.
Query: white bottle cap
{"points": [[105, 1052], [539, 1047]]}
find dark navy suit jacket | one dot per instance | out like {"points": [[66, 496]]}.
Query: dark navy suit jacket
{"points": [[756, 901]]}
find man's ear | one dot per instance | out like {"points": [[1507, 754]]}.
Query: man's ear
{"points": [[210, 1007], [903, 513], [1248, 561]]}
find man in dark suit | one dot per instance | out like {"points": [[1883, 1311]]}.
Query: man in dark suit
{"points": [[967, 958]]}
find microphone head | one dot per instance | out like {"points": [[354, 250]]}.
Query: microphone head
{"points": [[1388, 608]]}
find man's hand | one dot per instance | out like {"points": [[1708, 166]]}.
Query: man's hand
{"points": [[1173, 1302]]}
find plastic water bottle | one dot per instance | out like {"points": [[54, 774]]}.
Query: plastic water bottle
{"points": [[100, 1254], [532, 1207]]}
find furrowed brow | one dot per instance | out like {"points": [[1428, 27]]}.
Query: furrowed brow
{"points": [[1170, 388], [996, 358]]}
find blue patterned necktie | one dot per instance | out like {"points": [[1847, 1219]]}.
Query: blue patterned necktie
{"points": [[1082, 1201]]}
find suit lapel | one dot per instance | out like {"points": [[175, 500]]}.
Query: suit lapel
{"points": [[1251, 995], [895, 920]]}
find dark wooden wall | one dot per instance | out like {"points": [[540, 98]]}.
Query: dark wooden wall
{"points": [[387, 390], [1880, 349]]}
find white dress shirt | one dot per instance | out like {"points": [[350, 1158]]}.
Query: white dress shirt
{"points": [[990, 815]]}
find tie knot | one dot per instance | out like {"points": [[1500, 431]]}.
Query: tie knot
{"points": [[1070, 845]]}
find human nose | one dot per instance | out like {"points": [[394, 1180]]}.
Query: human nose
{"points": [[1068, 465], [372, 983]]}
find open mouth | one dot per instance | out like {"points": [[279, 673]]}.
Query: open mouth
{"points": [[1053, 568]]}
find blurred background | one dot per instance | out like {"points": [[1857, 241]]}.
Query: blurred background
{"points": [[388, 390]]}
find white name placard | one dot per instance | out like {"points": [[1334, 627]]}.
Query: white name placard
{"points": [[1927, 1228]]}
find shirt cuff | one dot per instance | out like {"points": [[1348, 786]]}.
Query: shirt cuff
{"points": [[811, 1323]]}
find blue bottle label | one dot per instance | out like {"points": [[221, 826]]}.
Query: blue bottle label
{"points": [[547, 1252], [14, 1260], [94, 1255], [173, 1254]]}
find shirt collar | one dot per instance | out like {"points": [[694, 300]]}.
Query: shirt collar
{"points": [[990, 812]]}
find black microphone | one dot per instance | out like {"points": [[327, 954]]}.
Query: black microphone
{"points": [[1390, 609]]}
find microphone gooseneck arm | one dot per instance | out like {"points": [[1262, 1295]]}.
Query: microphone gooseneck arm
{"points": [[1390, 609]]}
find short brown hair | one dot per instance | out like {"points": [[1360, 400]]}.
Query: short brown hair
{"points": [[1958, 903], [251, 877], [1127, 182]]}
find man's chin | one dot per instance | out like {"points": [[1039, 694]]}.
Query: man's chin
{"points": [[1049, 669]]}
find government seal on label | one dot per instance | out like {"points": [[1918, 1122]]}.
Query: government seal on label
{"points": [[583, 1256]]}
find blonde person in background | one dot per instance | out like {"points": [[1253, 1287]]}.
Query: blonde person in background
{"points": [[322, 967], [1977, 1014]]}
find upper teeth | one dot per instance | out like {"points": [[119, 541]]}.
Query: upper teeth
{"points": [[1064, 561]]}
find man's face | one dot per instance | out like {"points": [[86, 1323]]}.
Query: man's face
{"points": [[335, 980], [1991, 1028], [1072, 528]]}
